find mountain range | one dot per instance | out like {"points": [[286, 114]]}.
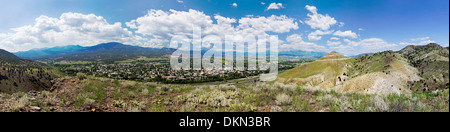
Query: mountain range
{"points": [[106, 52], [302, 54], [48, 52], [116, 51]]}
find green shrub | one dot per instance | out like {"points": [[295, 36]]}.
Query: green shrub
{"points": [[119, 103], [81, 76]]}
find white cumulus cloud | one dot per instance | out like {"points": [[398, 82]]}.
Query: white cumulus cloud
{"points": [[334, 38], [155, 29], [162, 25], [317, 35], [277, 24], [348, 34], [275, 6], [69, 28], [418, 41], [295, 42], [370, 45], [319, 21], [333, 43], [235, 5]]}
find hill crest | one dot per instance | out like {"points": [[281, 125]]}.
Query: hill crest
{"points": [[333, 55], [9, 57]]}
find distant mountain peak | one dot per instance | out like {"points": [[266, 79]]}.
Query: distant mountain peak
{"points": [[333, 52], [433, 45], [333, 55]]}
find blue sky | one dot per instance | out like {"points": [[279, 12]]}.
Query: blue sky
{"points": [[362, 25]]}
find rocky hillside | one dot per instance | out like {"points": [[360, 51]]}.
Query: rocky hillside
{"points": [[384, 72], [432, 61], [22, 75], [9, 58], [323, 72]]}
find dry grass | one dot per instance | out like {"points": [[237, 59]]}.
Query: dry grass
{"points": [[104, 95], [379, 105], [283, 99]]}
